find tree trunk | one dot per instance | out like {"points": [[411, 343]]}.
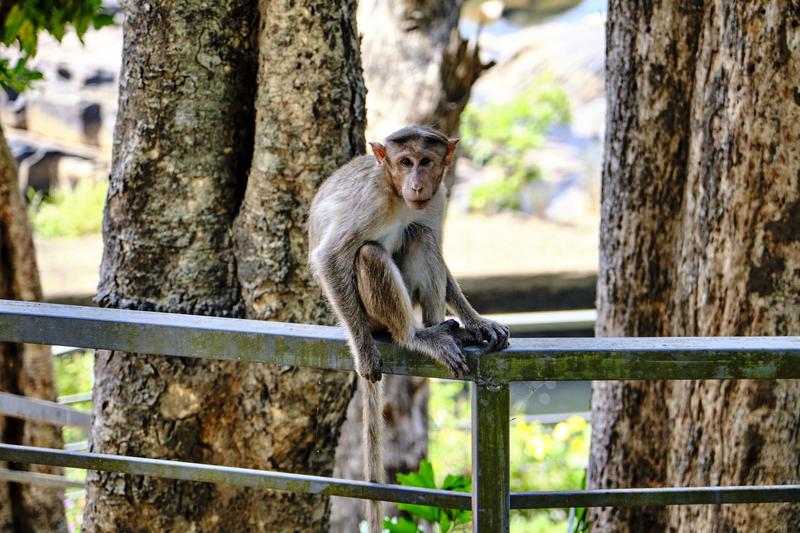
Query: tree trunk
{"points": [[309, 121], [25, 369], [419, 70], [701, 205], [417, 66], [173, 242], [181, 147]]}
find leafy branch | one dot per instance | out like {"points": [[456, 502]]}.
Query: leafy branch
{"points": [[21, 21]]}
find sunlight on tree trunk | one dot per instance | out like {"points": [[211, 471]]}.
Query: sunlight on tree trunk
{"points": [[700, 217]]}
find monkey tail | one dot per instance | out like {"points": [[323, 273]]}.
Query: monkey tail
{"points": [[372, 401]]}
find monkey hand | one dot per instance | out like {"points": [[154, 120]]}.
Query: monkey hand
{"points": [[369, 366], [492, 335]]}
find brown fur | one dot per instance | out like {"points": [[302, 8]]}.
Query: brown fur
{"points": [[375, 239]]}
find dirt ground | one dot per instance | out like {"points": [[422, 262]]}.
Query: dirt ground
{"points": [[474, 246]]}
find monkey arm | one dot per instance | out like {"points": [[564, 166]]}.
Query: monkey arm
{"points": [[483, 329], [335, 271]]}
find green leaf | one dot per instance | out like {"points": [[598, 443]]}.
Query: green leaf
{"points": [[425, 512], [444, 523], [102, 19], [402, 525], [12, 24], [457, 483], [421, 478]]}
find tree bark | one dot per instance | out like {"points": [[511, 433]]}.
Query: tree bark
{"points": [[417, 66], [309, 121], [186, 232], [701, 205], [181, 147], [25, 369], [419, 70]]}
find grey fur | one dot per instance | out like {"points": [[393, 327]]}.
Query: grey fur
{"points": [[375, 258]]}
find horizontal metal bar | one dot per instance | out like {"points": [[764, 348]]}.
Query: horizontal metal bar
{"points": [[75, 398], [547, 321], [43, 410], [39, 478], [243, 477], [79, 446], [396, 493], [656, 497], [65, 350], [325, 347]]}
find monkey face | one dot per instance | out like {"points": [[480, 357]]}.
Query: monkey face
{"points": [[415, 168]]}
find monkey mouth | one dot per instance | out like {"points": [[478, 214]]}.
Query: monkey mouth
{"points": [[417, 204]]}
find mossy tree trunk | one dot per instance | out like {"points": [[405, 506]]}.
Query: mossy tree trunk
{"points": [[25, 369], [418, 70], [198, 221], [699, 236]]}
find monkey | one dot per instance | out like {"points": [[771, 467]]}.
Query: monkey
{"points": [[375, 248]]}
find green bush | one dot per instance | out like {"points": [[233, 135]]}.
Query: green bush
{"points": [[504, 135], [446, 520], [69, 212], [543, 457]]}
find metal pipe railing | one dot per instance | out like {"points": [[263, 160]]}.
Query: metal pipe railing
{"points": [[325, 347]]}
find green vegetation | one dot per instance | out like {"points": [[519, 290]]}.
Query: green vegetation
{"points": [[74, 373], [23, 21], [69, 212], [446, 520], [543, 457], [504, 136]]}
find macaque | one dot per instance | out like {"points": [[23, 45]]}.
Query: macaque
{"points": [[375, 230]]}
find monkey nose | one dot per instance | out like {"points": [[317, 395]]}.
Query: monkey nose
{"points": [[416, 187]]}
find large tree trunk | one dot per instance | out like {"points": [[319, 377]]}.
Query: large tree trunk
{"points": [[419, 70], [25, 369], [173, 242], [699, 236], [310, 121], [181, 148]]}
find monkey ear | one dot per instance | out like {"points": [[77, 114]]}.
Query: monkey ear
{"points": [[380, 152], [451, 149]]}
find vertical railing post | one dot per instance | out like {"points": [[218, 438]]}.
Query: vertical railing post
{"points": [[491, 500]]}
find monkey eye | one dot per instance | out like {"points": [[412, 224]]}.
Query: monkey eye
{"points": [[425, 161], [406, 162]]}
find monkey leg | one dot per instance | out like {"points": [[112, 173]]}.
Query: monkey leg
{"points": [[386, 301], [424, 274]]}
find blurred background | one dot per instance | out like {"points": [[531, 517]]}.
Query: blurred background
{"points": [[521, 231]]}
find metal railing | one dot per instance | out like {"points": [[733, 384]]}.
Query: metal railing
{"points": [[325, 347]]}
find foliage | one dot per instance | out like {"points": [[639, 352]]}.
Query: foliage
{"points": [[543, 456], [69, 212], [74, 373], [504, 135], [446, 519], [22, 20]]}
